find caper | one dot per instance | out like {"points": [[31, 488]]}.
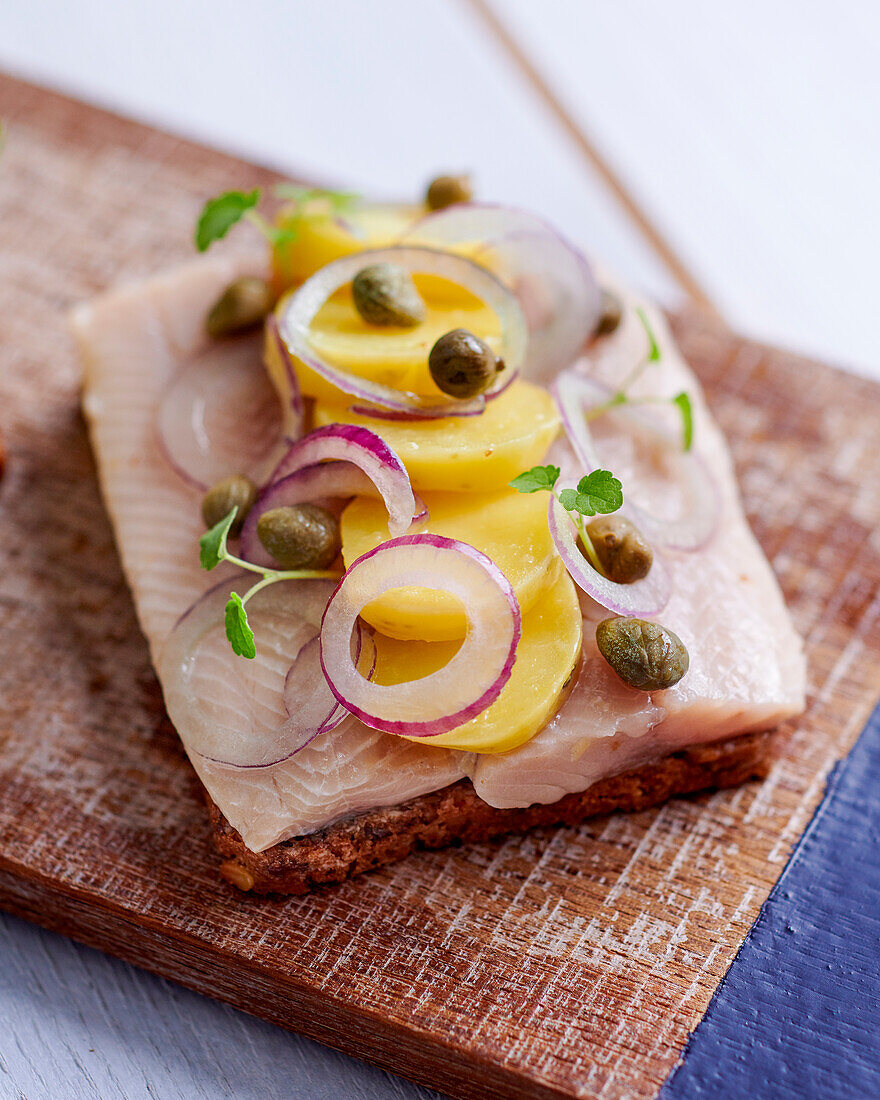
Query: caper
{"points": [[610, 314], [462, 364], [621, 548], [385, 294], [644, 654], [447, 190], [303, 536], [243, 304], [221, 498]]}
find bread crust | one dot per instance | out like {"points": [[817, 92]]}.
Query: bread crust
{"points": [[456, 815]]}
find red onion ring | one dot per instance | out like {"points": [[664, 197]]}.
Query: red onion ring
{"points": [[229, 724], [328, 484], [576, 394], [473, 678], [302, 307], [219, 415], [361, 462], [295, 411], [551, 278], [645, 597]]}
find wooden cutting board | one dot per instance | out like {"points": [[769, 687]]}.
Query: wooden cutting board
{"points": [[565, 963]]}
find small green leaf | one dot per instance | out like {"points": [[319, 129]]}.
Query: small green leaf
{"points": [[653, 348], [599, 491], [238, 629], [539, 478], [220, 214], [683, 401], [212, 545]]}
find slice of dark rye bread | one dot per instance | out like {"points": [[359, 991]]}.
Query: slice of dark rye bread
{"points": [[455, 815]]}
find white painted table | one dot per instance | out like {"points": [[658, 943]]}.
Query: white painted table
{"points": [[746, 136]]}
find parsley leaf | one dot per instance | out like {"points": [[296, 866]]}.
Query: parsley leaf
{"points": [[238, 629], [212, 545], [220, 214], [599, 491], [683, 401], [537, 479], [653, 347]]}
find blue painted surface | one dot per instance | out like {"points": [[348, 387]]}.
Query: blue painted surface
{"points": [[798, 1014]]}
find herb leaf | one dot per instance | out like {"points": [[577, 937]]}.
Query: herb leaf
{"points": [[220, 214], [537, 479], [653, 347], [599, 491], [238, 629], [212, 545], [683, 402]]}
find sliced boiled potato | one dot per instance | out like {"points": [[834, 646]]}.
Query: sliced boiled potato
{"points": [[466, 453], [391, 355], [546, 657], [322, 237], [509, 527]]}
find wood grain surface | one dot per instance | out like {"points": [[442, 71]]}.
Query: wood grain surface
{"points": [[570, 962]]}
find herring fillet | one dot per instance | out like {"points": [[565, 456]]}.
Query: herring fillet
{"points": [[747, 667], [132, 340]]}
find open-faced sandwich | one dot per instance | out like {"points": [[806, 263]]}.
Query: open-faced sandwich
{"points": [[431, 534]]}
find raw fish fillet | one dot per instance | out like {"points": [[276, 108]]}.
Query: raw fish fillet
{"points": [[747, 667], [132, 341]]}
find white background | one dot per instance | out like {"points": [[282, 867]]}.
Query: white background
{"points": [[749, 135], [748, 132]]}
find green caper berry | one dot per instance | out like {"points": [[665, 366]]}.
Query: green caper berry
{"points": [[303, 536], [227, 494], [385, 294], [610, 315], [447, 190], [644, 654], [243, 304], [462, 364], [621, 548]]}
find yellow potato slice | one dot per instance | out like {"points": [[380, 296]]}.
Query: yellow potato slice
{"points": [[466, 453], [509, 527], [546, 657]]}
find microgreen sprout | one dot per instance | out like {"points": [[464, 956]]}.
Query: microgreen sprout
{"points": [[598, 492], [224, 211], [213, 551], [335, 202], [681, 400]]}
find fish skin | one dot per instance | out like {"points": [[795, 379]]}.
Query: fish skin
{"points": [[747, 666]]}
